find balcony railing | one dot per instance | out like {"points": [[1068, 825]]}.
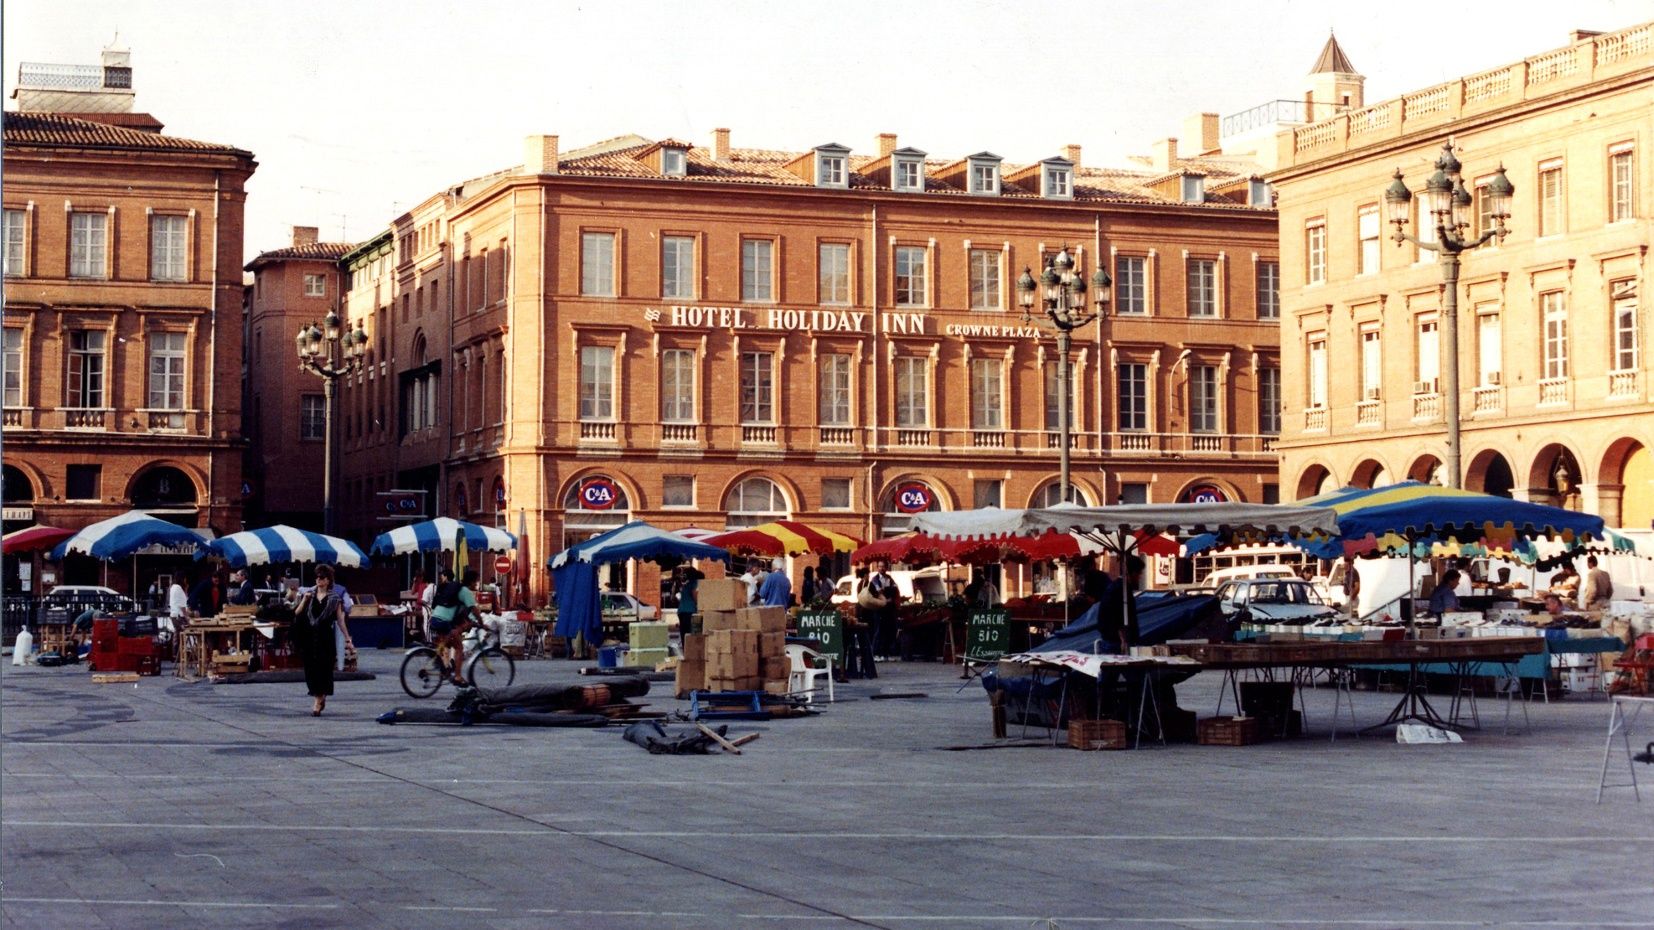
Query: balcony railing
{"points": [[838, 436], [1076, 440], [1205, 443], [597, 431], [82, 418], [1136, 442], [1622, 385], [758, 435], [1488, 400], [13, 416], [168, 421], [679, 432], [914, 438], [1367, 413], [1427, 408], [988, 439], [1553, 391], [1315, 419]]}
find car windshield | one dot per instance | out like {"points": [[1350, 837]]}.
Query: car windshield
{"points": [[1282, 592]]}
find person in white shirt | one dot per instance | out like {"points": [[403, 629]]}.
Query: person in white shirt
{"points": [[751, 578], [178, 602]]}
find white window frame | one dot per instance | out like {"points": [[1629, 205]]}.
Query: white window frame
{"points": [[1627, 345], [1622, 183], [168, 367], [757, 388], [987, 393], [1427, 343], [986, 267], [908, 175], [16, 242], [1553, 315], [597, 384], [168, 247], [1205, 399], [89, 244], [848, 486], [1057, 183], [1551, 199], [677, 386], [1372, 362], [312, 422], [1132, 391], [834, 400], [1201, 288], [597, 263], [1490, 350], [1267, 280], [315, 285], [1131, 285], [1428, 232], [1269, 400], [1368, 227], [758, 270], [832, 170], [677, 267], [912, 391], [911, 280], [1315, 251], [833, 274], [983, 178], [1049, 379], [666, 491], [1316, 384], [15, 348], [674, 162], [755, 501], [89, 388]]}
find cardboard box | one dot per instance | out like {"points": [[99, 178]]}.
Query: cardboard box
{"points": [[721, 594], [694, 647], [647, 635], [772, 646], [733, 683], [713, 621], [645, 658], [763, 619], [691, 677], [742, 642], [776, 687]]}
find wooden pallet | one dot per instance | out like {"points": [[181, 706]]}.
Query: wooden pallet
{"points": [[111, 678]]}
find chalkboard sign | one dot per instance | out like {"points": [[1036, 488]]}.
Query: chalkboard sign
{"points": [[825, 627], [987, 634]]}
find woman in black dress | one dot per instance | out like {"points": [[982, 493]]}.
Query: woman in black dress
{"points": [[318, 613]]}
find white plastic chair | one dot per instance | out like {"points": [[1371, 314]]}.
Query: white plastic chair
{"points": [[805, 666]]}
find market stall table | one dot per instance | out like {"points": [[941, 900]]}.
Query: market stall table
{"points": [[1620, 724], [201, 640], [1038, 665]]}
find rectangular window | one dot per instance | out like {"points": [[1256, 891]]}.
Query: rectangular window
{"points": [[1315, 251], [1550, 198], [13, 234], [1621, 186], [1627, 349], [912, 392], [829, 170], [1203, 399], [1133, 393], [312, 417], [1058, 182], [907, 175], [677, 266], [835, 390], [1554, 309], [167, 247], [597, 382], [835, 493], [1269, 401], [1053, 397], [1429, 363], [1372, 363], [1484, 210], [987, 394], [315, 285], [984, 179], [1134, 492], [834, 273], [1131, 292], [988, 492], [14, 367], [757, 388], [1269, 290], [757, 270], [88, 240], [597, 264], [86, 367], [911, 278], [166, 371], [673, 162], [1427, 232], [85, 482], [677, 490], [1490, 353], [1203, 287], [1317, 370], [1366, 222], [677, 386], [985, 294]]}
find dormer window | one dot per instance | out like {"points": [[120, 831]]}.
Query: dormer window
{"points": [[1194, 188], [984, 174], [674, 162], [1057, 179], [1258, 193], [832, 166], [907, 170]]}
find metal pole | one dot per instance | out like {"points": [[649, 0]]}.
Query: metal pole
{"points": [[1062, 405], [327, 454], [1450, 370]]}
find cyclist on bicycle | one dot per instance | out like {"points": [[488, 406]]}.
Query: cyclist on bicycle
{"points": [[451, 611]]}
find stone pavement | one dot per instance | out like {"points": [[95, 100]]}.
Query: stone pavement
{"points": [[171, 804]]}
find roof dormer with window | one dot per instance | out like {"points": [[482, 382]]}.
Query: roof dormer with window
{"points": [[907, 171], [982, 174], [1056, 179], [674, 161], [832, 166]]}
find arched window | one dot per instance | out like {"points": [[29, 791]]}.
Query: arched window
{"points": [[163, 488], [15, 486], [1051, 495], [755, 501]]}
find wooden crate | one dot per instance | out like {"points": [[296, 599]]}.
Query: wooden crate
{"points": [[1228, 731], [1096, 734]]}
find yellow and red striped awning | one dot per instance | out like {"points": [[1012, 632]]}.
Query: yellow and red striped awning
{"points": [[783, 537]]}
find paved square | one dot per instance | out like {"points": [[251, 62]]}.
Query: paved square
{"points": [[171, 804]]}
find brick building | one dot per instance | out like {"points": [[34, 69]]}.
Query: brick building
{"points": [[292, 288], [122, 336], [708, 336], [1554, 392]]}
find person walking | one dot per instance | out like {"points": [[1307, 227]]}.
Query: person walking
{"points": [[317, 616], [689, 585], [1352, 587], [884, 620]]}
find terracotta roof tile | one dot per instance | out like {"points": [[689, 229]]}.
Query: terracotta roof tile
{"points": [[57, 129], [315, 251]]}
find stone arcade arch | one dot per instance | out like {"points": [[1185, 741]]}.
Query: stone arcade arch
{"points": [[1490, 473]]}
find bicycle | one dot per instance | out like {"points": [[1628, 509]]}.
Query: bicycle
{"points": [[489, 666]]}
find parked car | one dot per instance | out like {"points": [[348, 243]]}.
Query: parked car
{"points": [[1274, 600], [619, 605], [925, 584], [74, 598]]}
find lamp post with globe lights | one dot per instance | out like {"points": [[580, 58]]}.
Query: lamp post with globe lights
{"points": [[1064, 303], [331, 352]]}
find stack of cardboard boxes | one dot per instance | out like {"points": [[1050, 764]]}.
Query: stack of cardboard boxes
{"points": [[739, 649], [648, 644]]}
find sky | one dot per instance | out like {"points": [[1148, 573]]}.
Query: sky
{"points": [[358, 110]]}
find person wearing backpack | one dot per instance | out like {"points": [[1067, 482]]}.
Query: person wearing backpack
{"points": [[453, 606]]}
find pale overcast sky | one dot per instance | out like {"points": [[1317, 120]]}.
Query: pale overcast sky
{"points": [[357, 110]]}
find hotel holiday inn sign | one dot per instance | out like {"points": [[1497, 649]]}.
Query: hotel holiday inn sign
{"points": [[825, 321]]}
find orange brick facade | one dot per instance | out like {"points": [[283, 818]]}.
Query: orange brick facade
{"points": [[480, 315], [124, 352]]}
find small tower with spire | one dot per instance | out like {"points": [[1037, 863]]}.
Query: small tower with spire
{"points": [[1334, 85]]}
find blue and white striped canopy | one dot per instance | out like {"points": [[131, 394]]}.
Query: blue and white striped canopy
{"points": [[442, 535], [119, 537], [285, 544]]}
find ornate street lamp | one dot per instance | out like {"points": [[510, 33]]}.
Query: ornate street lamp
{"points": [[330, 352], [1064, 304], [1451, 210]]}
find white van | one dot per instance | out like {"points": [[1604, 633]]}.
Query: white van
{"points": [[925, 584], [1249, 573]]}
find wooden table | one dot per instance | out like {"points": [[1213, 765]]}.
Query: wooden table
{"points": [[198, 641]]}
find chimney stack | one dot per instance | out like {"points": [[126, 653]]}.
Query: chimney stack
{"points": [[305, 235], [887, 143], [540, 155], [1202, 130], [720, 144], [1163, 154], [1072, 153]]}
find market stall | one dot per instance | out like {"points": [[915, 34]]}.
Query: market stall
{"points": [[574, 570]]}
